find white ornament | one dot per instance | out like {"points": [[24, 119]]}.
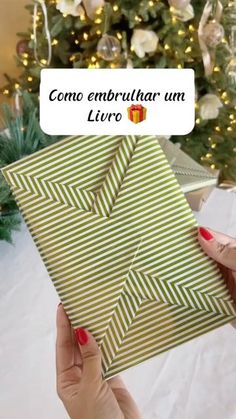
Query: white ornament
{"points": [[144, 41], [184, 14], [179, 4], [74, 8], [70, 7], [209, 105], [91, 6]]}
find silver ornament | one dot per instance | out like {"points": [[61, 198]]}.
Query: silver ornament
{"points": [[108, 48], [213, 33]]}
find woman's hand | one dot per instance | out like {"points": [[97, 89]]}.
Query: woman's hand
{"points": [[79, 377], [222, 249]]}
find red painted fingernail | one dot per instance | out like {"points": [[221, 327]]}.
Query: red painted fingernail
{"points": [[81, 336], [205, 234]]}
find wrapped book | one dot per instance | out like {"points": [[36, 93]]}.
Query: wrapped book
{"points": [[119, 241]]}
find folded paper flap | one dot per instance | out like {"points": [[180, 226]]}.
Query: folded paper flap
{"points": [[45, 175], [84, 171], [136, 275], [53, 191], [105, 198], [120, 322], [148, 186], [157, 328], [36, 157], [166, 324], [190, 171], [147, 287]]}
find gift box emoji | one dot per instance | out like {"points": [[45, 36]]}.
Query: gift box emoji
{"points": [[120, 244], [137, 113]]}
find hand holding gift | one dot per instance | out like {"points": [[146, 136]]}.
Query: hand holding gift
{"points": [[78, 386], [127, 239], [222, 249], [79, 377]]}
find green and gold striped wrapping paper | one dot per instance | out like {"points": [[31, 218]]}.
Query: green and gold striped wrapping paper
{"points": [[120, 244]]}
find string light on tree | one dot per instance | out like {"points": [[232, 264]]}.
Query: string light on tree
{"points": [[188, 50], [174, 20], [99, 10]]}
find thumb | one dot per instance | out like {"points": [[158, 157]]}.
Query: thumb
{"points": [[90, 354], [124, 399], [219, 247]]}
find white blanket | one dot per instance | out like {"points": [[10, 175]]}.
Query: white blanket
{"points": [[196, 380]]}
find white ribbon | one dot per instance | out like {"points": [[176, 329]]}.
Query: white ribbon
{"points": [[231, 47], [208, 55], [18, 96], [42, 4]]}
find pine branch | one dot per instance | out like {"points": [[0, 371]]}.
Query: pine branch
{"points": [[22, 136]]}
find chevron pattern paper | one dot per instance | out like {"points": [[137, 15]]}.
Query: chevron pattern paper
{"points": [[120, 244]]}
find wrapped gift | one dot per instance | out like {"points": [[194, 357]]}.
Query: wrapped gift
{"points": [[191, 175], [137, 113], [198, 198], [120, 244]]}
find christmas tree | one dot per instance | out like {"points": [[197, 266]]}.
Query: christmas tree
{"points": [[146, 34]]}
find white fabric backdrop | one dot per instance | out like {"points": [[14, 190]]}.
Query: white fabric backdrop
{"points": [[196, 380]]}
